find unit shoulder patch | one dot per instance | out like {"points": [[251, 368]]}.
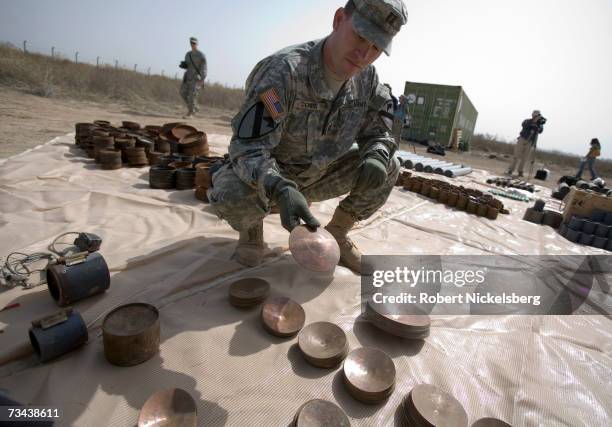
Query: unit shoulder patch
{"points": [[256, 122]]}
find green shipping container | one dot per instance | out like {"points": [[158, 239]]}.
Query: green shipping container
{"points": [[436, 113]]}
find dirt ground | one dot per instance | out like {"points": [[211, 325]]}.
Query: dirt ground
{"points": [[27, 121]]}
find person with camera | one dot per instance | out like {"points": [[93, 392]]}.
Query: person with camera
{"points": [[193, 79], [589, 159], [526, 143]]}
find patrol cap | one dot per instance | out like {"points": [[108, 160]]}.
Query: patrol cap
{"points": [[193, 40], [379, 21], [536, 113]]}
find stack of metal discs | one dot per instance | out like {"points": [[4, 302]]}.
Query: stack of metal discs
{"points": [[168, 159], [320, 413], [102, 143], [124, 144], [246, 293], [162, 177], [282, 316], [369, 375], [323, 344], [202, 180], [180, 164], [145, 143], [185, 178], [130, 125], [110, 159], [136, 156], [162, 144], [82, 135], [154, 157], [195, 144], [411, 326], [427, 405]]}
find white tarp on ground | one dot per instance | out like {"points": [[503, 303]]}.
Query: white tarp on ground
{"points": [[168, 249]]}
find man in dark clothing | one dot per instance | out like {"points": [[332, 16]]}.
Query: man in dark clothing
{"points": [[526, 143]]}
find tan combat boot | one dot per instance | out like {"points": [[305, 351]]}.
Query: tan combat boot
{"points": [[339, 226], [250, 249]]}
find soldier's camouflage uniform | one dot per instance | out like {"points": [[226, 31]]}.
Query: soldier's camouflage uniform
{"points": [[196, 70], [318, 141]]}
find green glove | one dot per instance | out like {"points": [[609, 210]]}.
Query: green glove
{"points": [[373, 174], [292, 204]]}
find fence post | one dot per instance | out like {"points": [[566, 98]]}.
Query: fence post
{"points": [[162, 73], [116, 64], [149, 71], [97, 61], [76, 57], [25, 50], [135, 65], [52, 51]]}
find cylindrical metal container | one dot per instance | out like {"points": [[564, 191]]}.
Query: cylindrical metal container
{"points": [[576, 223], [131, 334], [585, 239], [162, 177], [452, 173], [185, 178], [589, 227], [539, 205], [57, 334], [81, 276], [552, 219]]}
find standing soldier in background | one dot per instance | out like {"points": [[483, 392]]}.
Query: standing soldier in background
{"points": [[193, 79], [316, 124], [526, 143]]}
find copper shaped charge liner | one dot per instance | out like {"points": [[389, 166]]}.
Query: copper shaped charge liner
{"points": [[314, 250], [174, 407], [369, 374], [427, 405], [282, 316], [410, 326], [182, 130], [248, 292], [318, 412], [323, 344]]}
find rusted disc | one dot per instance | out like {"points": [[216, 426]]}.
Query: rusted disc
{"points": [[369, 374], [282, 316], [248, 292], [169, 408], [314, 250], [320, 413], [490, 422], [181, 131], [428, 405], [323, 344]]}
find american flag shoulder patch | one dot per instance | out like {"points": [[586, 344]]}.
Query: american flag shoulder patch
{"points": [[272, 102]]}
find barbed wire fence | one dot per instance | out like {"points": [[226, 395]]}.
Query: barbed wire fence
{"points": [[78, 57]]}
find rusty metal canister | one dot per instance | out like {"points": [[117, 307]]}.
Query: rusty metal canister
{"points": [[131, 334], [54, 335], [82, 275]]}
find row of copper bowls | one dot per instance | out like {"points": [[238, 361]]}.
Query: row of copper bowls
{"points": [[469, 200]]}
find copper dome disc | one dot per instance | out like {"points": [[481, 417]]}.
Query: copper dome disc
{"points": [[282, 316], [248, 292], [169, 408], [428, 405], [314, 250], [369, 374], [323, 344], [320, 413]]}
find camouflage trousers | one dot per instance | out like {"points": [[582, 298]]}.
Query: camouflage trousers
{"points": [[241, 206], [189, 93]]}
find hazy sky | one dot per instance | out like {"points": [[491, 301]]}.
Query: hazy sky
{"points": [[510, 56]]}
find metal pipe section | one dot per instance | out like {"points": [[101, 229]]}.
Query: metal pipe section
{"points": [[452, 173], [58, 334], [430, 168], [421, 165], [440, 171]]}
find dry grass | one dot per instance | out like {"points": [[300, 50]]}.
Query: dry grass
{"points": [[45, 76], [491, 143]]}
